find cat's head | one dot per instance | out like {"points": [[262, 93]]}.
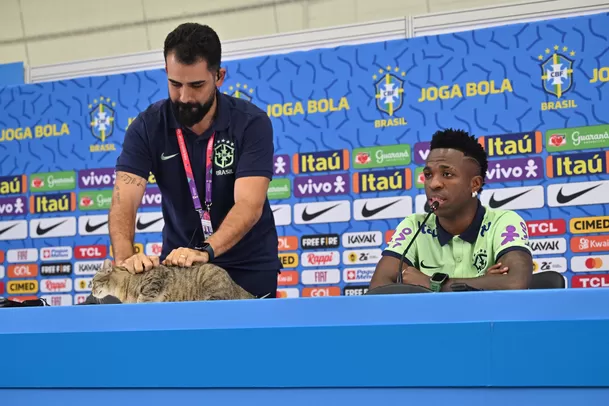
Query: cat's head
{"points": [[107, 279]]}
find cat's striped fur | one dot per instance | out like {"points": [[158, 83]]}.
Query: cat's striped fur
{"points": [[167, 284]]}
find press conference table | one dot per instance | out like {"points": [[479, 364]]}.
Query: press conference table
{"points": [[471, 348]]}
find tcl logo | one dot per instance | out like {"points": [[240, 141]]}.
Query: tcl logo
{"points": [[91, 252], [590, 281], [287, 278], [540, 228], [289, 243], [22, 271], [320, 292]]}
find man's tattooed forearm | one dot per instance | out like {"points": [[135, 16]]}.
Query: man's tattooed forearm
{"points": [[131, 180]]}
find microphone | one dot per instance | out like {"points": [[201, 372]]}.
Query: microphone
{"points": [[429, 208]]}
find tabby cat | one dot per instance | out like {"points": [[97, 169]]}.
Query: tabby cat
{"points": [[166, 284]]}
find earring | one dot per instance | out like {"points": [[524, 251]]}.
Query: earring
{"points": [[474, 193]]}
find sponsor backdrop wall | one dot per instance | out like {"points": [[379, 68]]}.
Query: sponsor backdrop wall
{"points": [[352, 127]]}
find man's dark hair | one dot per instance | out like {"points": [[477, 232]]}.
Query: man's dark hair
{"points": [[462, 141], [191, 42]]}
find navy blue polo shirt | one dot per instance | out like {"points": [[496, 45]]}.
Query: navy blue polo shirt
{"points": [[244, 136]]}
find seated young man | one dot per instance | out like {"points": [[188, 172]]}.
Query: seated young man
{"points": [[463, 242]]}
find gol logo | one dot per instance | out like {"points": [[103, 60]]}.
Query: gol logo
{"points": [[320, 292], [23, 286], [287, 278], [288, 243], [593, 263], [23, 271], [288, 260]]}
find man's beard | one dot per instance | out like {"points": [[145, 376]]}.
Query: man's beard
{"points": [[189, 114]]}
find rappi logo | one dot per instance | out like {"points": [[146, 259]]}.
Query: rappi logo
{"points": [[96, 178], [543, 228], [323, 161], [515, 169], [320, 258], [512, 144], [382, 181], [322, 185], [91, 251]]}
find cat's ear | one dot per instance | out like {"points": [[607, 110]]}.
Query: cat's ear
{"points": [[107, 265]]}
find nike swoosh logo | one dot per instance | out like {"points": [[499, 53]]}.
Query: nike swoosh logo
{"points": [[143, 226], [164, 158], [562, 199], [310, 216], [274, 210], [4, 230], [427, 266], [90, 228], [494, 204], [369, 213], [43, 231]]}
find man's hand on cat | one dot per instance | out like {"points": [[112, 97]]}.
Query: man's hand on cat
{"points": [[140, 263], [186, 257]]}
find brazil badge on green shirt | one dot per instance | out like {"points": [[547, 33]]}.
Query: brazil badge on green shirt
{"points": [[468, 255]]}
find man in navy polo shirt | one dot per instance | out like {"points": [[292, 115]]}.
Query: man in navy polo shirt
{"points": [[212, 157]]}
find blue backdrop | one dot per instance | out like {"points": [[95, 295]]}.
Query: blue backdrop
{"points": [[352, 126]]}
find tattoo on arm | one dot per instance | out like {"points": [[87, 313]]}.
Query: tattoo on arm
{"points": [[131, 180]]}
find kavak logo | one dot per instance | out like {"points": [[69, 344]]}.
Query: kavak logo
{"points": [[23, 271], [389, 94], [308, 242], [590, 281], [590, 264], [381, 208], [321, 292], [321, 258], [590, 244], [96, 178], [93, 225], [282, 214], [22, 287], [281, 165], [53, 181], [20, 255], [152, 198], [55, 253], [322, 212], [90, 251], [512, 144], [362, 239], [578, 193], [320, 277], [63, 268], [288, 260], [101, 122], [287, 278], [544, 246], [587, 163], [372, 256], [514, 198], [556, 264], [12, 185], [94, 200], [322, 161], [514, 169], [586, 225], [577, 138], [544, 228], [149, 222], [380, 157], [10, 230], [224, 156], [557, 76], [382, 181], [87, 267], [240, 91], [53, 203], [56, 285], [321, 185], [287, 243], [13, 206], [358, 275], [154, 249], [53, 227]]}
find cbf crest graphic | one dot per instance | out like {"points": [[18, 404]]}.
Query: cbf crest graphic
{"points": [[101, 122], [389, 95], [224, 157], [480, 261], [241, 91], [556, 65]]}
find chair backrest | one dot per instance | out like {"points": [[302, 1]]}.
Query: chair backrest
{"points": [[547, 280]]}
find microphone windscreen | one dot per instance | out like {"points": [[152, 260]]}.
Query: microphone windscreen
{"points": [[427, 208]]}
